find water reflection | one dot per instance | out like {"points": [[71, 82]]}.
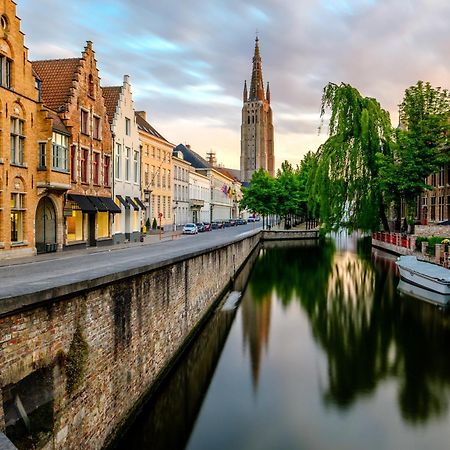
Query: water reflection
{"points": [[368, 333], [324, 354]]}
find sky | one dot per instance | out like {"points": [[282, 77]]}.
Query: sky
{"points": [[188, 59]]}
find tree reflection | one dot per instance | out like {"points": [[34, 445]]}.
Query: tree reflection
{"points": [[368, 333]]}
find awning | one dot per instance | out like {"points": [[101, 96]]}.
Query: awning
{"points": [[139, 202], [98, 203], [123, 201], [131, 202], [83, 202], [110, 205]]}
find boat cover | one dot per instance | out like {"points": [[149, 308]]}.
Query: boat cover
{"points": [[425, 268]]}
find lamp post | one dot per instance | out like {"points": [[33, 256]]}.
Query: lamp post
{"points": [[147, 198], [175, 216]]}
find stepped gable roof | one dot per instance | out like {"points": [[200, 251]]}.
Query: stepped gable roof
{"points": [[57, 76], [111, 94], [192, 157], [145, 126], [58, 124]]}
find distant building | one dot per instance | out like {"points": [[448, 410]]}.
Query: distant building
{"points": [[257, 146], [434, 204], [221, 187], [181, 204], [126, 162]]}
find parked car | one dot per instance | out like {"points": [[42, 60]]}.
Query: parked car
{"points": [[200, 227], [207, 226], [241, 221], [226, 224], [217, 225], [251, 219], [190, 228], [233, 223]]}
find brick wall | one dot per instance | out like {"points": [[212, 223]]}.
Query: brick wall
{"points": [[133, 329], [432, 230]]}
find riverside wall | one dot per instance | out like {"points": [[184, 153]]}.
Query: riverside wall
{"points": [[78, 363]]}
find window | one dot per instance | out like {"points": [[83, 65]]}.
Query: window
{"points": [[97, 131], [441, 208], [4, 23], [127, 163], [60, 152], [442, 176], [84, 165], [164, 205], [127, 126], [168, 179], [106, 169], [75, 226], [73, 163], [169, 203], [164, 178], [117, 167], [146, 179], [159, 153], [42, 156], [433, 209], [153, 152], [84, 122], [147, 152], [95, 167], [136, 166], [17, 141], [37, 85], [17, 217], [102, 224], [5, 71]]}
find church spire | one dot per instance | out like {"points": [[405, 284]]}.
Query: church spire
{"points": [[257, 84], [245, 95]]}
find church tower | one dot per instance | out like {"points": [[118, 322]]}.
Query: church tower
{"points": [[257, 149]]}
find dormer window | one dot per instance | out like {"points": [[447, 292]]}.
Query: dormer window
{"points": [[37, 84], [5, 71]]}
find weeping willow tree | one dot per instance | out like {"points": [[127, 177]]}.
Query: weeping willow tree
{"points": [[345, 179]]}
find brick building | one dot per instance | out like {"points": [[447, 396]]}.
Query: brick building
{"points": [[71, 88], [31, 192]]}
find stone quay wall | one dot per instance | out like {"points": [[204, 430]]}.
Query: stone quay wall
{"points": [[432, 230], [90, 356], [277, 235]]}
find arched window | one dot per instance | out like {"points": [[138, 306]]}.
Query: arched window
{"points": [[17, 212]]}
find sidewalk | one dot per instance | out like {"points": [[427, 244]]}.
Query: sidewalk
{"points": [[148, 240]]}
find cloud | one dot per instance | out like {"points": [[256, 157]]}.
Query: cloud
{"points": [[188, 60]]}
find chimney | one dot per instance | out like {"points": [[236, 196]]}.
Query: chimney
{"points": [[126, 79], [188, 146], [142, 114]]}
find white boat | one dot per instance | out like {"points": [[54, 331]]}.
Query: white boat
{"points": [[427, 278]]}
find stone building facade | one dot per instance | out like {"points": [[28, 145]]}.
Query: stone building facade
{"points": [[71, 88], [257, 145], [181, 176], [126, 162], [31, 192], [157, 173]]}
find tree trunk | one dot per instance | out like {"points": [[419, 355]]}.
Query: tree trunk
{"points": [[383, 217]]}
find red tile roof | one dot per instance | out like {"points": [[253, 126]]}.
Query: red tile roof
{"points": [[111, 95], [56, 76]]}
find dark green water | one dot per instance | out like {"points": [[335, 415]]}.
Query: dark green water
{"points": [[322, 353]]}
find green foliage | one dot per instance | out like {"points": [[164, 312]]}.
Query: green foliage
{"points": [[346, 177], [421, 144], [76, 361], [147, 224], [154, 224], [260, 196]]}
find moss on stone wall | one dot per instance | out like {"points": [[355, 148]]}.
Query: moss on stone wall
{"points": [[76, 361]]}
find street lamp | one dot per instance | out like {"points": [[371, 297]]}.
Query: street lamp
{"points": [[175, 216], [147, 198]]}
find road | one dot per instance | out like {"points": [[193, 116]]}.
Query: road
{"points": [[65, 269]]}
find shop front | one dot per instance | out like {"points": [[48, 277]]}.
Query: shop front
{"points": [[88, 220]]}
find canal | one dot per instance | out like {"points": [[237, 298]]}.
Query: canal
{"points": [[322, 353]]}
